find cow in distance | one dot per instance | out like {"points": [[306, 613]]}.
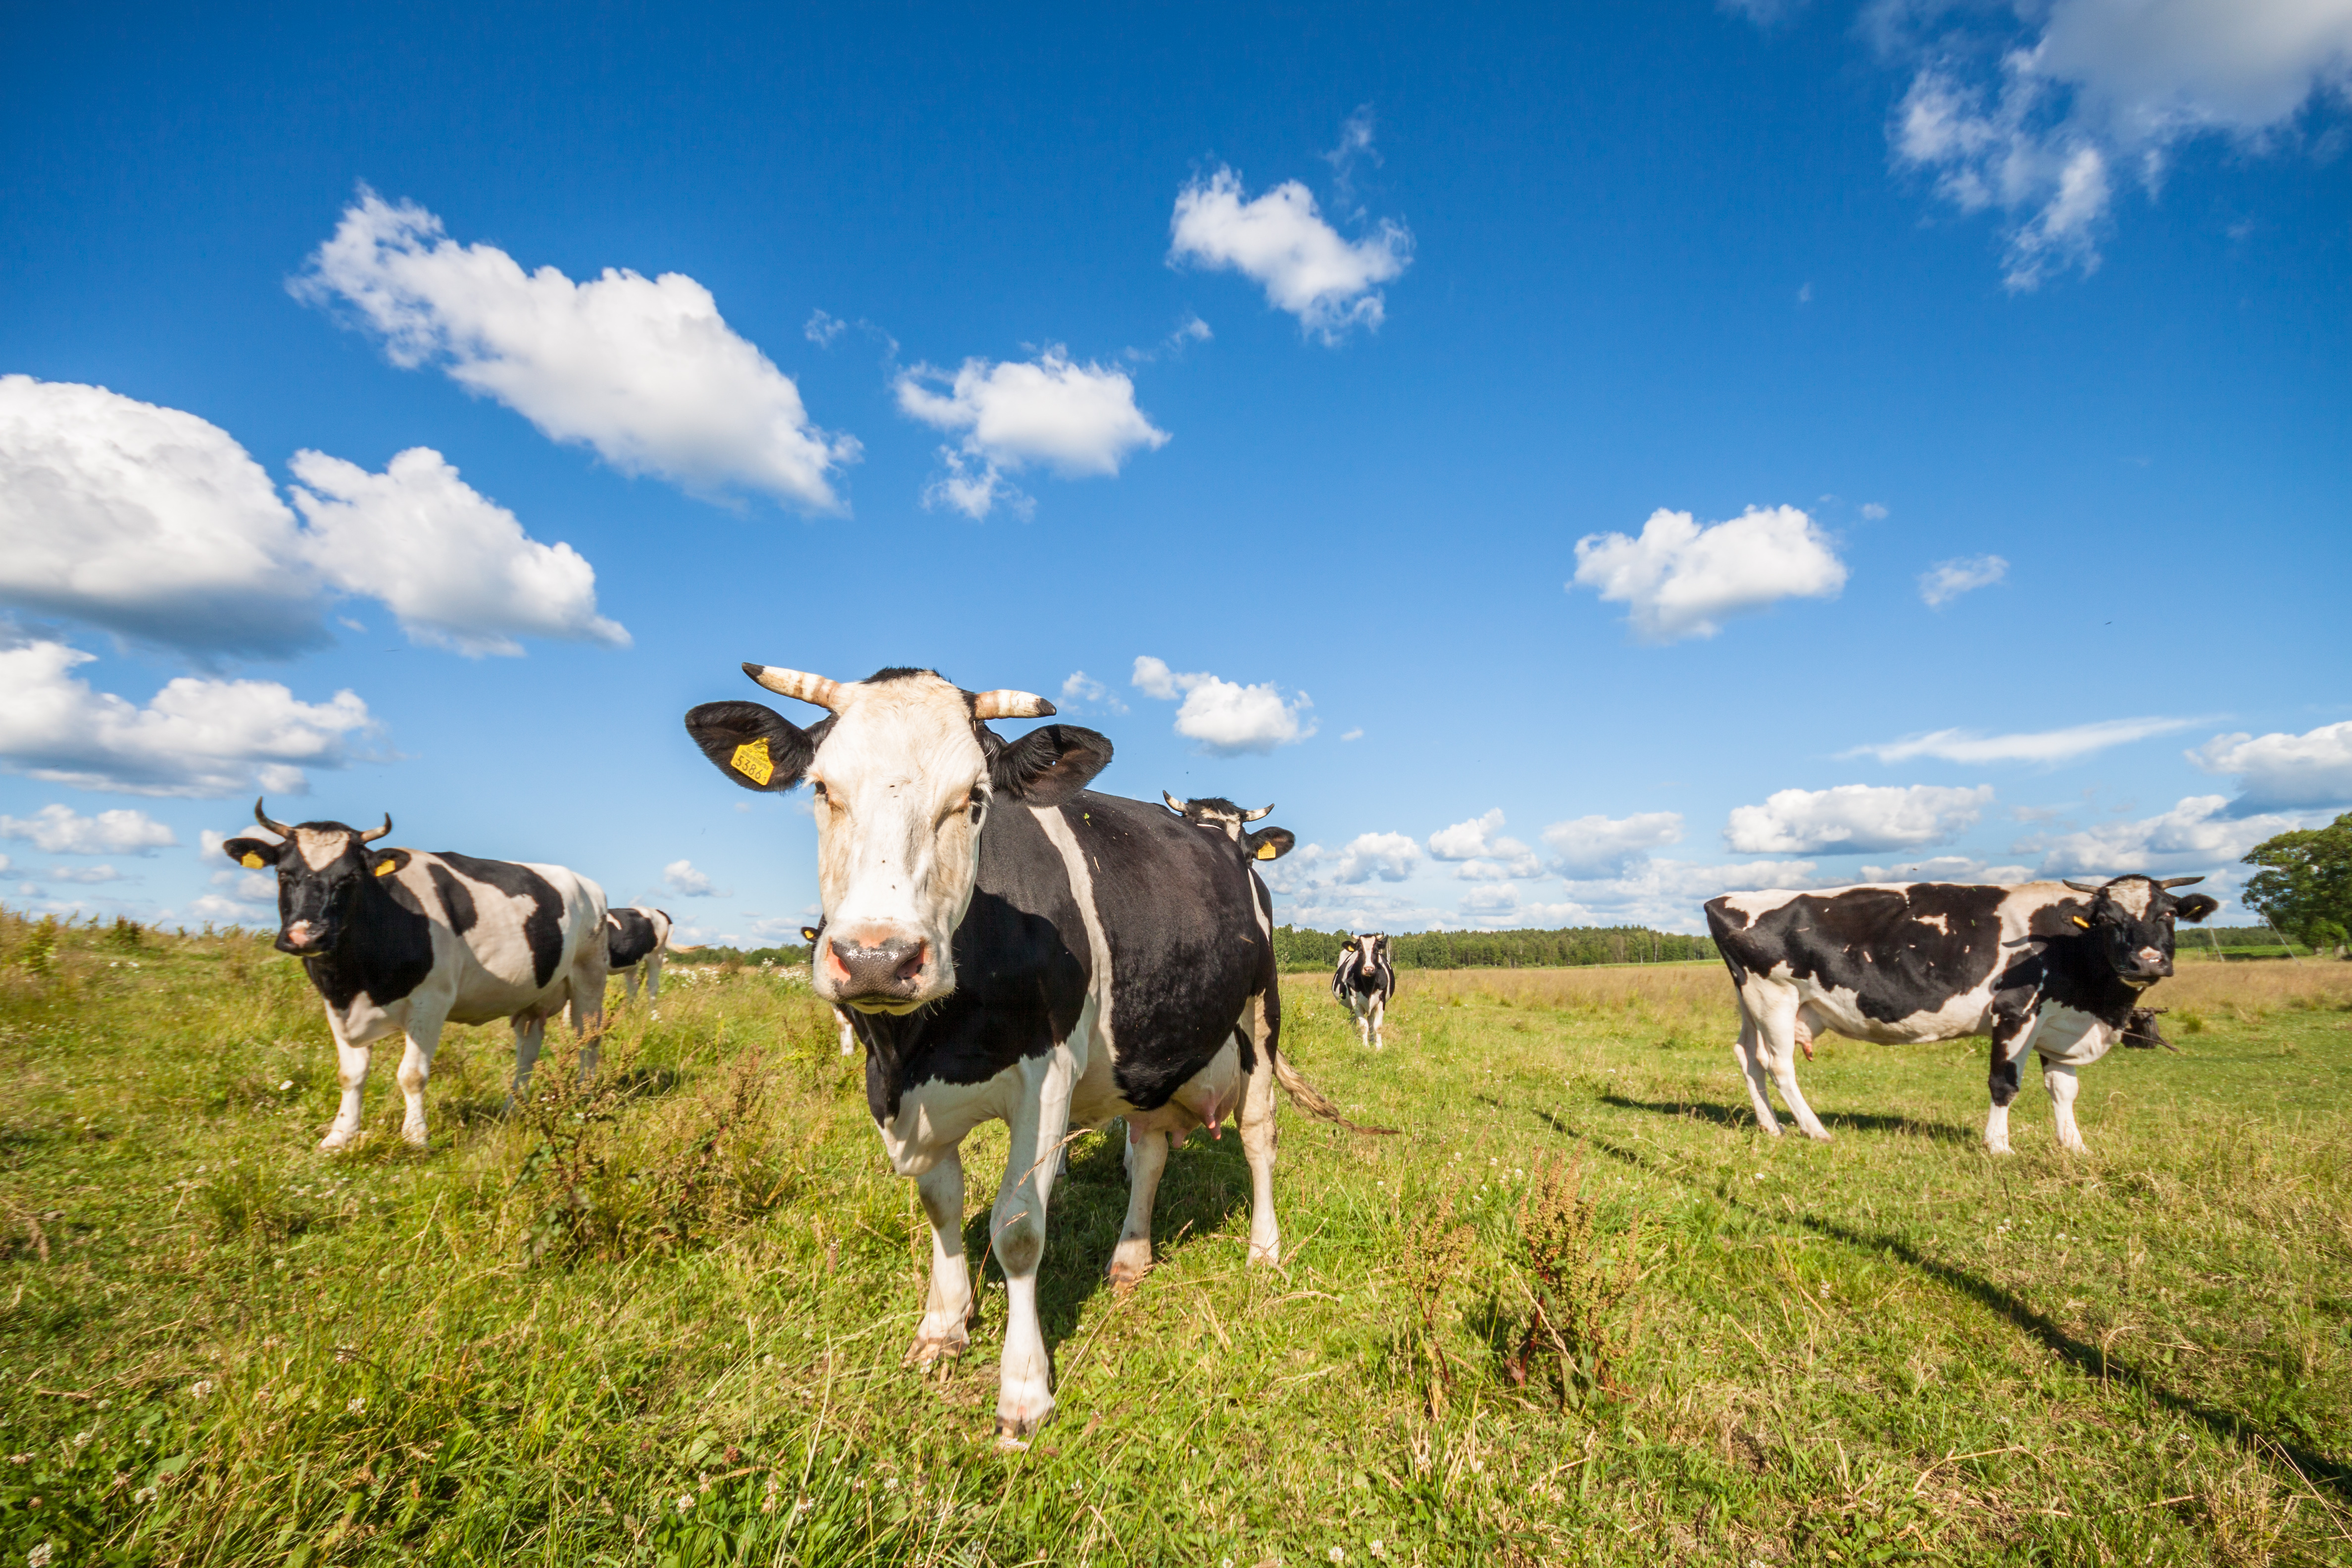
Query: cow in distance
{"points": [[2055, 968], [637, 940], [401, 943], [1363, 983]]}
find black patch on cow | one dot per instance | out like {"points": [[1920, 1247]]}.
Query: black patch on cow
{"points": [[897, 672], [629, 935], [723, 728], [1877, 942], [455, 901], [1352, 977], [1049, 765], [386, 951], [542, 927]]}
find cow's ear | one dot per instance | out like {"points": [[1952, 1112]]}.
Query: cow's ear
{"points": [[1270, 843], [1047, 767], [388, 862], [756, 747], [2195, 907], [252, 854]]}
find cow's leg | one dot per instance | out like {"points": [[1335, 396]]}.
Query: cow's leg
{"points": [[2064, 1086], [528, 1031], [588, 1014], [628, 986], [2009, 1037], [1750, 1055], [350, 1075], [848, 1032], [948, 1306], [1379, 1011], [415, 1068], [1776, 1039], [1258, 1143], [653, 977], [1147, 1157], [1025, 1397]]}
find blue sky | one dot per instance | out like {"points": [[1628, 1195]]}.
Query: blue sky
{"points": [[1524, 446]]}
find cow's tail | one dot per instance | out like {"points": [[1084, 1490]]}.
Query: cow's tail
{"points": [[1313, 1100]]}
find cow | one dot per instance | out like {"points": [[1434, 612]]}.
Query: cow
{"points": [[636, 939], [1018, 948], [1363, 983], [399, 941], [2057, 968], [1222, 815]]}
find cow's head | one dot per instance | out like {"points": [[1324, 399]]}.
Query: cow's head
{"points": [[905, 772], [1220, 815], [2131, 921], [1368, 946], [323, 869]]}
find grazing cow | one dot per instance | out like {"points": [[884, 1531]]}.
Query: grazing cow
{"points": [[398, 942], [1019, 949], [1363, 983], [636, 940], [2058, 968]]}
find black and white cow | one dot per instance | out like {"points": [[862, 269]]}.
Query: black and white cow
{"points": [[1363, 983], [2057, 968], [398, 942], [1220, 814], [1014, 947], [636, 939]]}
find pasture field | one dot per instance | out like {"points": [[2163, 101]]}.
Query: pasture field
{"points": [[660, 1320]]}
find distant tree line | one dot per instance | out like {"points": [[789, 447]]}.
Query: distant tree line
{"points": [[1297, 948], [782, 957], [2304, 884]]}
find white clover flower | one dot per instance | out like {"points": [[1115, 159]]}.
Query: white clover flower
{"points": [[39, 1557], [1336, 1555], [144, 1494], [684, 1502], [200, 1389], [353, 1406]]}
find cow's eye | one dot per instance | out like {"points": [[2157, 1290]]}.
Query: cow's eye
{"points": [[816, 788]]}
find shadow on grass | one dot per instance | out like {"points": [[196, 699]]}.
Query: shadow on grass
{"points": [[1741, 1116], [2319, 1469]]}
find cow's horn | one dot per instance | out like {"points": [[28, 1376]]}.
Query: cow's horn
{"points": [[373, 834], [816, 689], [1008, 704], [1173, 803], [2083, 887], [2177, 881], [262, 818], [1261, 811]]}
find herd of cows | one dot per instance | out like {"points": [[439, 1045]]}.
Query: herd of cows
{"points": [[1008, 945]]}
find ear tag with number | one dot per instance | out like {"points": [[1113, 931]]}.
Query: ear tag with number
{"points": [[386, 868], [808, 933], [251, 861], [1267, 851], [751, 760]]}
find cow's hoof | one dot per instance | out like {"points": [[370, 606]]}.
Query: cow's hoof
{"points": [[413, 1136], [1127, 1271], [1269, 1254], [2000, 1148], [1015, 1430], [930, 1348], [336, 1143]]}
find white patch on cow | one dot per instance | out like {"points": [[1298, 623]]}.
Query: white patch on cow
{"points": [[1935, 923], [319, 849], [1082, 892], [2132, 897], [2068, 1038]]}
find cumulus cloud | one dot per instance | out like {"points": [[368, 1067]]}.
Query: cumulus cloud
{"points": [[1590, 848], [452, 564], [1947, 580], [61, 830], [1075, 420], [2199, 834], [1321, 871], [1281, 241], [147, 521], [1222, 717], [1948, 869], [1682, 580], [645, 371], [2046, 746], [1667, 894], [2042, 121], [680, 878], [90, 875], [196, 738], [1854, 817], [1083, 691], [2279, 772], [1483, 853]]}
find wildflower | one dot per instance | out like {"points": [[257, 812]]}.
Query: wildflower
{"points": [[200, 1389], [1825, 1289], [685, 1502], [286, 1085], [353, 1406], [82, 1439], [1760, 1175], [39, 1557], [1377, 1550], [18, 1459], [144, 1494], [1337, 1555]]}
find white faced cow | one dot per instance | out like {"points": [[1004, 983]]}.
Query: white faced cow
{"points": [[1363, 983], [1016, 948], [2057, 968], [398, 942], [636, 939]]}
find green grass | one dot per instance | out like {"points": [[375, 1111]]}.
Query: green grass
{"points": [[661, 1320]]}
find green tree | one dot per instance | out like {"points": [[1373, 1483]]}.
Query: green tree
{"points": [[2304, 886]]}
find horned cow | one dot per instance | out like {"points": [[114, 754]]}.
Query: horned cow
{"points": [[1363, 983]]}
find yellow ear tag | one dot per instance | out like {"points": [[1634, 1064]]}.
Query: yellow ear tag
{"points": [[1267, 852], [753, 762], [2080, 921], [252, 862], [386, 868]]}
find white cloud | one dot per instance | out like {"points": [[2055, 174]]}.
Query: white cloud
{"points": [[680, 878], [2091, 91], [2199, 834], [85, 874], [251, 887], [1947, 580], [1591, 847], [822, 330], [1682, 580], [1368, 856], [145, 521], [1872, 512], [61, 830], [1076, 420], [1281, 241], [1225, 718], [197, 737], [455, 566], [1465, 840], [1851, 817], [219, 911], [1946, 868], [1083, 690], [2048, 746], [1667, 894], [1485, 854], [2280, 772], [1355, 734], [644, 370]]}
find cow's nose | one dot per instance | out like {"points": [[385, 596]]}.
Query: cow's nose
{"points": [[300, 937], [884, 969], [2153, 961]]}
